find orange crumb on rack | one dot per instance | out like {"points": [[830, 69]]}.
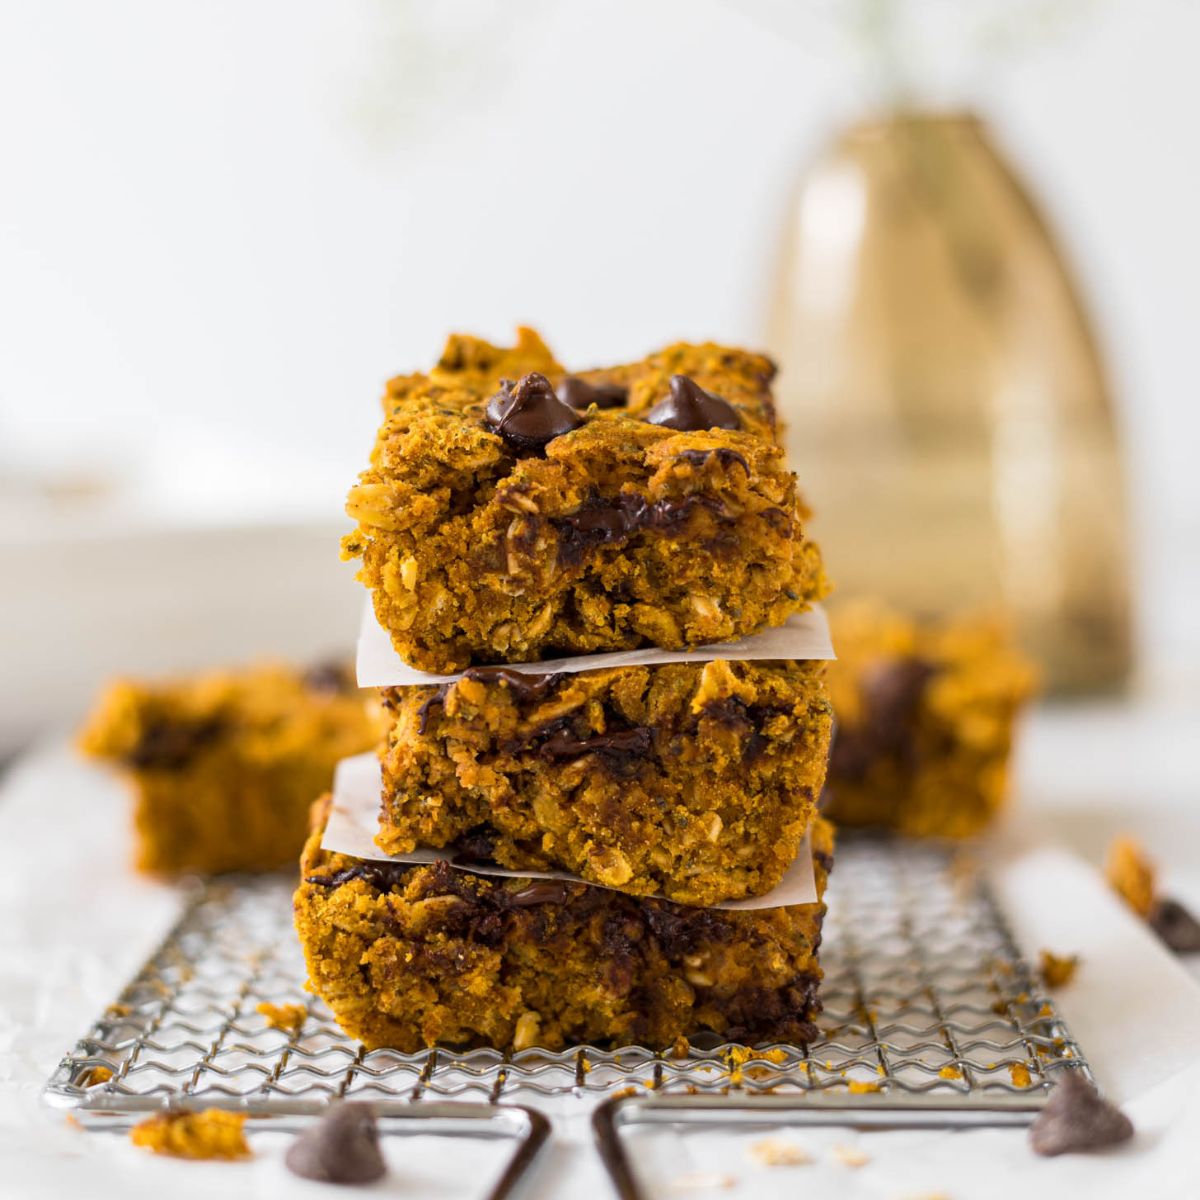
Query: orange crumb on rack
{"points": [[1131, 874], [288, 1017], [1020, 1075], [212, 1133], [859, 1087], [950, 1071], [94, 1076], [1057, 970]]}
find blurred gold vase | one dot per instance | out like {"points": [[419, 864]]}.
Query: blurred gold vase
{"points": [[946, 406]]}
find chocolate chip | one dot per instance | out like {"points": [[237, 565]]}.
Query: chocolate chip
{"points": [[1179, 930], [170, 745], [627, 743], [524, 685], [436, 699], [528, 415], [329, 677], [690, 408], [1077, 1118], [601, 522], [578, 393], [342, 1147], [891, 698], [476, 846], [540, 891], [726, 457]]}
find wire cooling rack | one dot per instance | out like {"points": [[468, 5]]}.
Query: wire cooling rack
{"points": [[928, 1006]]}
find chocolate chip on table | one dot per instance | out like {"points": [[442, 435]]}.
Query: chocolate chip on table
{"points": [[578, 393], [1077, 1118], [528, 415], [342, 1147], [690, 408], [1179, 930]]}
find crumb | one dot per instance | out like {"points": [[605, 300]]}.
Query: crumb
{"points": [[586, 1064], [681, 1048], [697, 1180], [212, 1133], [950, 1071], [287, 1017], [94, 1076], [118, 1010], [1020, 1074], [738, 1055], [1131, 874], [851, 1156], [621, 1093], [1045, 1011], [1057, 971], [773, 1152], [859, 1087]]}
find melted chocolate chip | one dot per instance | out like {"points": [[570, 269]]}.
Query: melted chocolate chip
{"points": [[726, 457], [436, 700], [540, 891], [477, 845], [562, 745], [528, 415], [580, 394], [689, 408], [601, 522], [169, 745], [1077, 1118], [524, 685], [891, 698], [1176, 926], [342, 1147], [329, 677], [381, 876]]}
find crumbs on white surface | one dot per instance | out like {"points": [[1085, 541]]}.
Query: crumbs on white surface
{"points": [[775, 1152], [696, 1181], [851, 1156]]}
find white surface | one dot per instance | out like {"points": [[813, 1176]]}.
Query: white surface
{"points": [[803, 636], [76, 925], [354, 819]]}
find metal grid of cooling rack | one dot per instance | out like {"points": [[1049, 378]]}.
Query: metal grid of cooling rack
{"points": [[927, 1002]]}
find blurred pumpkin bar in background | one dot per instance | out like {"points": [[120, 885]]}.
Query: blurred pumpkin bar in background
{"points": [[224, 765], [925, 718]]}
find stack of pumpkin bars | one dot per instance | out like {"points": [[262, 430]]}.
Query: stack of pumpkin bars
{"points": [[514, 513]]}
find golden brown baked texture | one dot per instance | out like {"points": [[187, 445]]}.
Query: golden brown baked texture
{"points": [[413, 956], [652, 506], [224, 766], [925, 716], [695, 781]]}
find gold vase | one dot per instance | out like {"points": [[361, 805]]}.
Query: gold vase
{"points": [[945, 402]]}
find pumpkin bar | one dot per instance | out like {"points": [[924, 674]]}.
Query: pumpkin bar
{"points": [[514, 512], [412, 956], [694, 781], [925, 719], [225, 766]]}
